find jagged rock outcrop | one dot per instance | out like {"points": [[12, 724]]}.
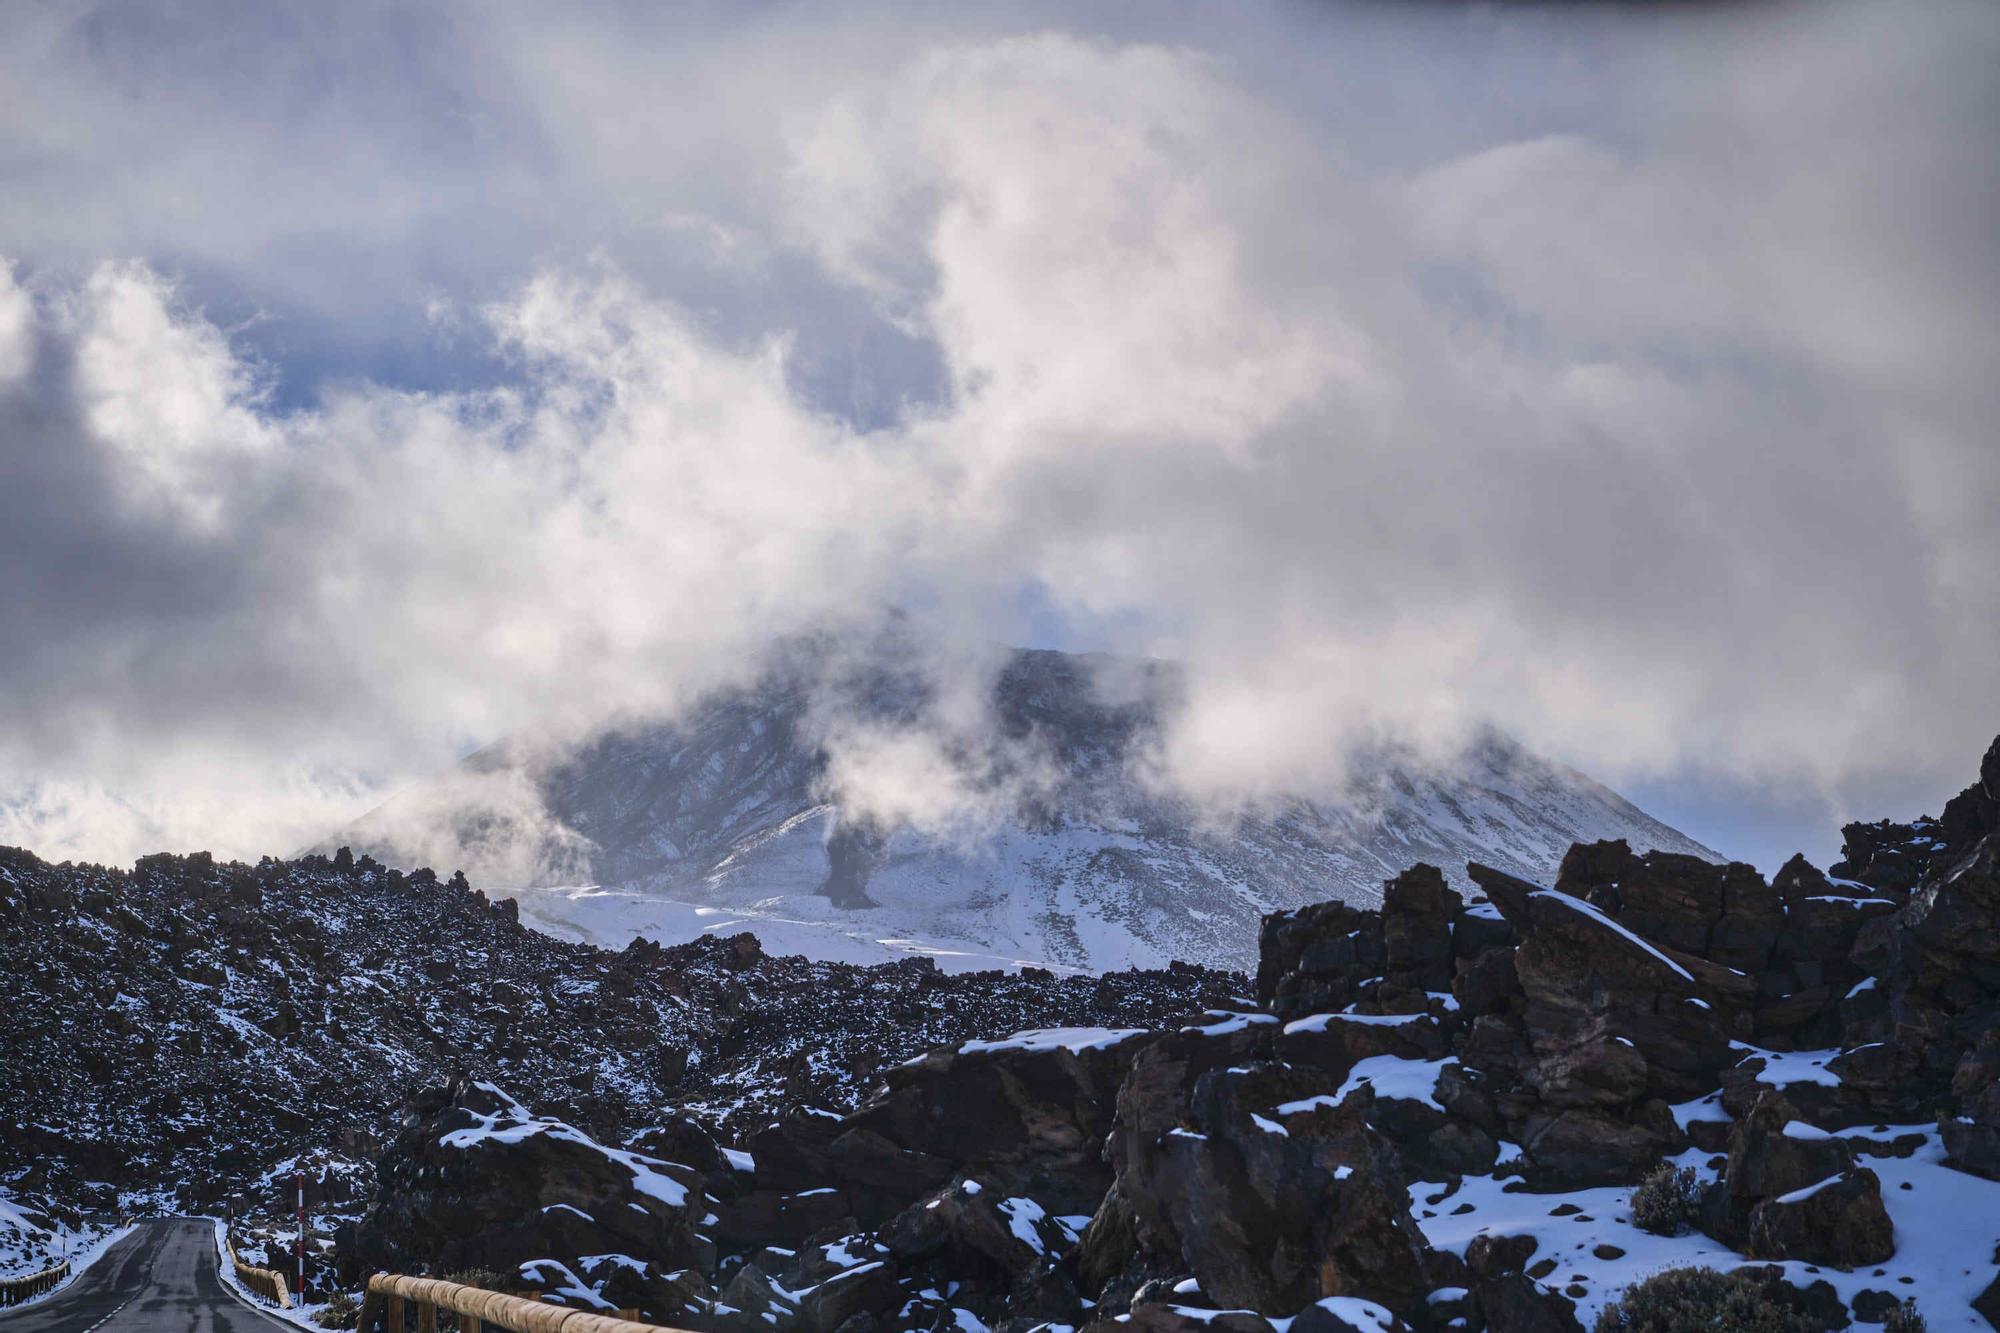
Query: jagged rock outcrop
{"points": [[1317, 959], [476, 1181], [1278, 1194], [1838, 1221], [1936, 962]]}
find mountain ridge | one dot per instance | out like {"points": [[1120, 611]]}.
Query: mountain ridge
{"points": [[741, 815]]}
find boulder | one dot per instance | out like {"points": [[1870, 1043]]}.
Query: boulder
{"points": [[1746, 934], [1318, 958], [1838, 1221], [1487, 984], [976, 1229], [1972, 1137], [1153, 1102], [1417, 911], [1490, 1256], [475, 1180], [758, 1302], [865, 1288], [1276, 1196], [1514, 1303], [1582, 1146], [1337, 1042], [1028, 1113], [1671, 899], [1168, 1317], [1596, 1071], [1345, 1314], [1588, 978], [1773, 1152], [771, 1217]]}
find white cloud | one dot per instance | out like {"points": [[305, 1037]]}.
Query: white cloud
{"points": [[17, 328], [1655, 436]]}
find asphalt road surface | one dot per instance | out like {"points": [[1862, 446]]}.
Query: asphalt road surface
{"points": [[163, 1278]]}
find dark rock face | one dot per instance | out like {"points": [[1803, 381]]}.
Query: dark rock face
{"points": [[1030, 1114], [1840, 1221], [1972, 1138], [1511, 1303], [1590, 982], [1316, 959], [1936, 962], [476, 1181], [1417, 912], [1027, 1118], [1151, 1104], [1279, 1197]]}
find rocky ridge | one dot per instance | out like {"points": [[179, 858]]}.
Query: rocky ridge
{"points": [[189, 1033], [1453, 1111]]}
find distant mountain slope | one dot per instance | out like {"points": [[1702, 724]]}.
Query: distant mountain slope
{"points": [[732, 819]]}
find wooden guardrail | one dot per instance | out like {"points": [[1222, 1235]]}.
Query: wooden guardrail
{"points": [[15, 1290], [398, 1304], [266, 1282]]}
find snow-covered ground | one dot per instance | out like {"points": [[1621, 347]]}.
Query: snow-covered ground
{"points": [[795, 924], [1947, 1224], [32, 1242]]}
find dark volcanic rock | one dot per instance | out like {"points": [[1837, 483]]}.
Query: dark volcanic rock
{"points": [[1316, 959], [1611, 1028], [1972, 1137], [1839, 1221], [1773, 1152], [476, 1181], [1277, 1196], [1417, 912], [1030, 1113], [381, 982]]}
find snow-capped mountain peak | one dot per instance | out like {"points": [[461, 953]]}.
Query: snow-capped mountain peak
{"points": [[1033, 838]]}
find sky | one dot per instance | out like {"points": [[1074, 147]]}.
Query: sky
{"points": [[380, 380]]}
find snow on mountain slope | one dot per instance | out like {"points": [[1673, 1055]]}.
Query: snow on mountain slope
{"points": [[734, 819]]}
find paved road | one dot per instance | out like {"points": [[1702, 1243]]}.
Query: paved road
{"points": [[162, 1278]]}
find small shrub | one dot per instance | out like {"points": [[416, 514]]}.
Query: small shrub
{"points": [[1676, 1300], [1905, 1319], [340, 1311], [1667, 1200]]}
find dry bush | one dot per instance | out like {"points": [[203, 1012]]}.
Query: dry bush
{"points": [[1678, 1299], [1667, 1200]]}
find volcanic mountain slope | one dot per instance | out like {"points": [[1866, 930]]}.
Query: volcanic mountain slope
{"points": [[731, 819], [1504, 1113], [182, 1027]]}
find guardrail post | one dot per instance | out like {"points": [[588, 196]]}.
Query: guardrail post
{"points": [[395, 1314], [427, 1318]]}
